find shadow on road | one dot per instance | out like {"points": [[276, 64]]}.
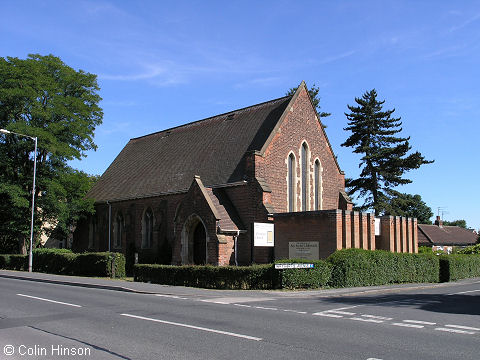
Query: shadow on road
{"points": [[453, 304]]}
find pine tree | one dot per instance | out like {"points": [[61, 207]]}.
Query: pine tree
{"points": [[385, 158]]}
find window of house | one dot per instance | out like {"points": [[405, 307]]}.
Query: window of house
{"points": [[118, 230], [291, 183], [318, 185], [147, 229], [304, 177]]}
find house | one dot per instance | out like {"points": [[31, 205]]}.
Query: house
{"points": [[439, 235], [193, 194]]}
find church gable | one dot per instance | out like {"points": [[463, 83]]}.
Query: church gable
{"points": [[297, 160]]}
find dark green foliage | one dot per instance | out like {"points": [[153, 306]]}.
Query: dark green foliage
{"points": [[64, 262], [313, 92], [459, 266], [315, 278], [42, 97], [210, 277], [474, 249], [384, 154], [460, 223], [356, 267], [425, 250], [407, 205]]}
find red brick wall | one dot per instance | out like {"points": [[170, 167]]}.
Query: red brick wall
{"points": [[300, 124]]}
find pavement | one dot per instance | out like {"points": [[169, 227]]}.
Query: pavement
{"points": [[149, 288]]}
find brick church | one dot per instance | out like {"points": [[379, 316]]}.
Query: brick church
{"points": [[190, 194]]}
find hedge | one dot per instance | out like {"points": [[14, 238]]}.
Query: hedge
{"points": [[459, 266], [314, 278], [210, 277], [356, 267], [64, 262]]}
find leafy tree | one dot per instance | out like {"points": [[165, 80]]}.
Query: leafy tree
{"points": [[407, 205], [43, 97], [385, 158], [313, 92], [460, 223]]}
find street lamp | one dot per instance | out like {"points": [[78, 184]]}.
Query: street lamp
{"points": [[30, 253]]}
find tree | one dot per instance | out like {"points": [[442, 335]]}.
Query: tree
{"points": [[43, 97], [313, 92], [460, 223], [385, 158], [407, 205]]}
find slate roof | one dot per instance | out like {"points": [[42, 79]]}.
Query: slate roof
{"points": [[166, 161], [229, 219], [445, 235]]}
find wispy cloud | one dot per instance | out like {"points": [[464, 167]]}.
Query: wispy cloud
{"points": [[467, 22], [334, 58]]}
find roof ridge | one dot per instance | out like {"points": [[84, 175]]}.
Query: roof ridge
{"points": [[212, 117]]}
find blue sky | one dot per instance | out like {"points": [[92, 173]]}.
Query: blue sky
{"points": [[165, 63]]}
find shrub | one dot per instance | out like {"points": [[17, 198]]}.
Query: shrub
{"points": [[64, 262], [99, 264], [314, 278], [356, 267], [210, 277], [474, 249], [459, 266]]}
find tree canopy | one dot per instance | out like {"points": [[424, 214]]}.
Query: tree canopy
{"points": [[460, 223], [408, 205], [42, 97], [385, 156]]}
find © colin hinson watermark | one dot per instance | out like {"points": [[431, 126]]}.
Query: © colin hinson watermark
{"points": [[47, 351]]}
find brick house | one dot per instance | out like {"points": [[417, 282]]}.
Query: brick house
{"points": [[190, 194], [439, 235]]}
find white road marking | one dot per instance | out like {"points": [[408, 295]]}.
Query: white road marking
{"points": [[463, 292], [345, 308], [327, 315], [215, 302], [168, 296], [463, 327], [340, 312], [455, 331], [52, 301], [408, 325], [194, 327], [377, 317], [265, 308], [242, 305], [295, 311], [367, 320], [419, 322]]}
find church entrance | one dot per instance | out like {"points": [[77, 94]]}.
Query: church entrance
{"points": [[194, 241], [199, 245]]}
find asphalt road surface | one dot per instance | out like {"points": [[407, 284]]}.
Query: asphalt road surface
{"points": [[53, 321]]}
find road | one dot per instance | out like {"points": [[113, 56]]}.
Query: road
{"points": [[46, 321]]}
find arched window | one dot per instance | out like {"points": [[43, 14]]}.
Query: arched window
{"points": [[118, 230], [304, 177], [291, 183], [318, 185], [147, 229], [92, 230]]}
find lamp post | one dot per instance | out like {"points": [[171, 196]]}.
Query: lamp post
{"points": [[30, 253]]}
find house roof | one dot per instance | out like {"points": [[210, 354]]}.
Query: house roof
{"points": [[166, 161], [447, 235]]}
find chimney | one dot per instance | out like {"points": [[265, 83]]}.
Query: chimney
{"points": [[439, 222]]}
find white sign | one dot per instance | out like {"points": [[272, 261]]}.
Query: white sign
{"points": [[303, 250], [263, 234], [377, 227], [294, 266]]}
